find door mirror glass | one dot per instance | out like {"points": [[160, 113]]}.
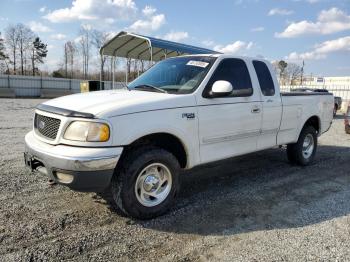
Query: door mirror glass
{"points": [[221, 88]]}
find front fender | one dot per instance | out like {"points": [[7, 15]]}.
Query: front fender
{"points": [[129, 128]]}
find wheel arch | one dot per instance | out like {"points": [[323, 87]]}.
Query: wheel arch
{"points": [[165, 140], [313, 121]]}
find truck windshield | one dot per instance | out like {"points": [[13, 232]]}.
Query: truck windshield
{"points": [[181, 75]]}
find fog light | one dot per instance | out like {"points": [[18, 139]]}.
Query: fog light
{"points": [[64, 178]]}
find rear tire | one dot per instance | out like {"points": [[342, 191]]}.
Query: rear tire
{"points": [[303, 152], [347, 129], [146, 183]]}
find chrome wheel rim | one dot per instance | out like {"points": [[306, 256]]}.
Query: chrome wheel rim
{"points": [[308, 146], [153, 184]]}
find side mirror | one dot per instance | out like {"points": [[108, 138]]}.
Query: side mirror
{"points": [[221, 88]]}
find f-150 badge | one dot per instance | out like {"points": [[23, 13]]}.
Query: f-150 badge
{"points": [[188, 115]]}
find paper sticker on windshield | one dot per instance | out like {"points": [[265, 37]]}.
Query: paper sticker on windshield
{"points": [[197, 63]]}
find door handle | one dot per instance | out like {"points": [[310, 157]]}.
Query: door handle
{"points": [[269, 101], [256, 110]]}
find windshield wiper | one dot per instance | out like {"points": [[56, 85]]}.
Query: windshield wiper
{"points": [[151, 87]]}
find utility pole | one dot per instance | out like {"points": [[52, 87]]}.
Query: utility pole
{"points": [[302, 73], [311, 79]]}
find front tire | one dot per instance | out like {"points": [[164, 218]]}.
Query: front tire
{"points": [[146, 183], [304, 150]]}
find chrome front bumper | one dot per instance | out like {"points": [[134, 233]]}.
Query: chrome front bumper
{"points": [[91, 168]]}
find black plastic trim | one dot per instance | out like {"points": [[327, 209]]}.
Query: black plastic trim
{"points": [[63, 111], [306, 94], [86, 181]]}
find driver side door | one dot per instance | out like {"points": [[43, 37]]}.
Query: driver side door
{"points": [[230, 125]]}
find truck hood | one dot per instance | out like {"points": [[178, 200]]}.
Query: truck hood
{"points": [[119, 102]]}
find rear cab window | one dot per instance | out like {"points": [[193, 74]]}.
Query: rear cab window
{"points": [[267, 86]]}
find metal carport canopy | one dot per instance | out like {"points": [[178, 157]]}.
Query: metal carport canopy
{"points": [[130, 45]]}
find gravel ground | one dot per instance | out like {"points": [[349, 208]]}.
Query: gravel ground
{"points": [[252, 208]]}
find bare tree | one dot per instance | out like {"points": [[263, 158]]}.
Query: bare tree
{"points": [[85, 40], [294, 72], [3, 56], [142, 66], [275, 66], [65, 58], [25, 40], [2, 48], [98, 40], [136, 68], [70, 52], [11, 41]]}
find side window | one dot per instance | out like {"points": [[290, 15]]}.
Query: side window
{"points": [[234, 71], [265, 80]]}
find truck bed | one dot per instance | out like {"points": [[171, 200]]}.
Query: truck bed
{"points": [[297, 107]]}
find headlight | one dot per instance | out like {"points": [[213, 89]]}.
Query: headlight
{"points": [[87, 131]]}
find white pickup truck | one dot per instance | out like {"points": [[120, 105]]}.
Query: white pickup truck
{"points": [[181, 113]]}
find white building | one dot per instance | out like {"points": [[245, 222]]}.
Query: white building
{"points": [[327, 81]]}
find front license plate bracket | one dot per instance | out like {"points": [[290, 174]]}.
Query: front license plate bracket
{"points": [[31, 162]]}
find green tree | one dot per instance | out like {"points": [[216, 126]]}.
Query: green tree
{"points": [[58, 73], [39, 52], [282, 65]]}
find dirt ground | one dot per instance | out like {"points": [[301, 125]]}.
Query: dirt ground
{"points": [[252, 208]]}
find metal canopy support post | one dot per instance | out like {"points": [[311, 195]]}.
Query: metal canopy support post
{"points": [[113, 69], [100, 70], [126, 72], [101, 59]]}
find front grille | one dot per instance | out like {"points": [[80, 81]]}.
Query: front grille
{"points": [[47, 126]]}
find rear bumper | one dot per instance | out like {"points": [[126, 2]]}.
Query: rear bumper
{"points": [[80, 168]]}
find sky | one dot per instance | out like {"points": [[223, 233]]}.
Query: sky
{"points": [[316, 31]]}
